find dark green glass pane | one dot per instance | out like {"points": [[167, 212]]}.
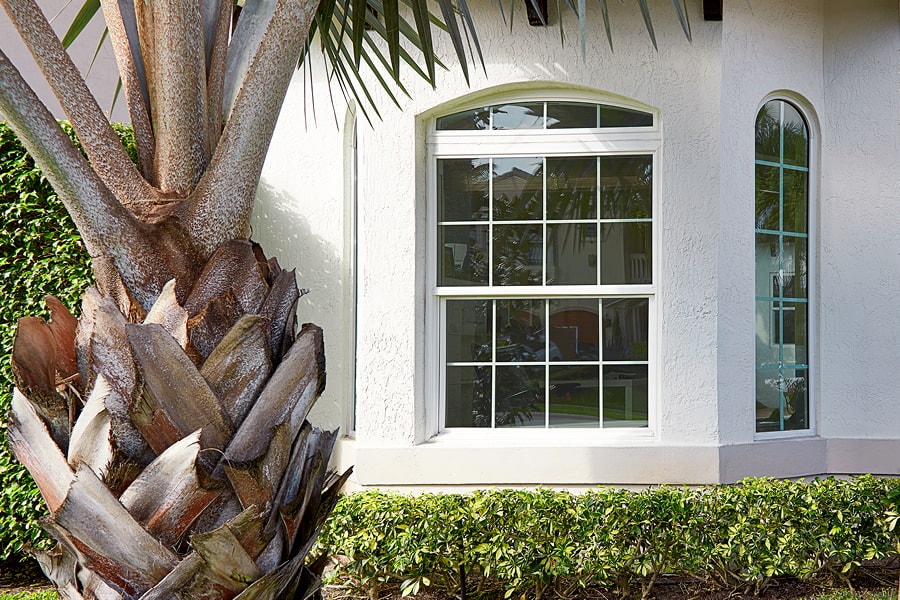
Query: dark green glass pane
{"points": [[520, 396], [462, 190], [626, 254], [463, 255], [469, 324], [574, 396], [572, 188], [571, 115], [795, 201], [768, 188], [796, 137], [626, 328], [572, 254], [468, 397], [574, 329], [626, 187], [520, 331], [796, 399], [794, 320], [767, 263], [527, 115], [518, 188], [518, 254], [768, 400], [467, 120], [794, 268], [625, 394], [768, 132], [782, 399], [768, 324], [611, 116]]}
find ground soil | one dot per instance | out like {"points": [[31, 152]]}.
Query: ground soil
{"points": [[26, 576]]}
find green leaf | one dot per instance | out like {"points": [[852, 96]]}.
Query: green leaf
{"points": [[84, 16]]}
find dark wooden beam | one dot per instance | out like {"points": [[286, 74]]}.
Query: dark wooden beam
{"points": [[712, 10]]}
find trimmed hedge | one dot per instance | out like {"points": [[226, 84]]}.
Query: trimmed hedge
{"points": [[533, 542], [40, 253]]}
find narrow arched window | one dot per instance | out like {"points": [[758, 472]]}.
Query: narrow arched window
{"points": [[782, 268]]}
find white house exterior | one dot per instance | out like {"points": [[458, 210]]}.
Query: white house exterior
{"points": [[376, 218], [575, 271]]}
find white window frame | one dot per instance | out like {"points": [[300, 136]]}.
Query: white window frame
{"points": [[805, 108], [548, 143]]}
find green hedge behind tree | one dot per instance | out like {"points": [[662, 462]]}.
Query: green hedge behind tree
{"points": [[40, 253]]}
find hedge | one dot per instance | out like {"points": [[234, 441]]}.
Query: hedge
{"points": [[533, 542], [40, 253]]}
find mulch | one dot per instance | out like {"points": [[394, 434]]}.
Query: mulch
{"points": [[26, 576]]}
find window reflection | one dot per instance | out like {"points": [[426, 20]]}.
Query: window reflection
{"points": [[782, 276]]}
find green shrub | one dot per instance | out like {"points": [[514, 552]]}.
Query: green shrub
{"points": [[534, 542], [40, 253]]}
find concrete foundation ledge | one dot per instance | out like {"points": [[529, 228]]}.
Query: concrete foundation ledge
{"points": [[465, 466]]}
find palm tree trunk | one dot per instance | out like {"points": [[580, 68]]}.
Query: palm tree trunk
{"points": [[171, 444]]}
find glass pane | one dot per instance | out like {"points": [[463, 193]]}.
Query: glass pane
{"points": [[527, 115], [793, 278], [468, 397], [462, 189], [795, 200], [572, 254], [569, 115], [520, 397], [518, 188], [796, 399], [469, 324], [463, 255], [626, 187], [625, 396], [574, 396], [611, 116], [625, 328], [782, 399], [625, 253], [767, 264], [768, 320], [574, 329], [467, 120], [767, 194], [768, 400], [520, 331], [768, 132], [518, 254], [572, 188], [794, 321], [795, 137]]}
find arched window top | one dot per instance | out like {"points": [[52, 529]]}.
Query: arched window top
{"points": [[542, 115], [782, 135]]}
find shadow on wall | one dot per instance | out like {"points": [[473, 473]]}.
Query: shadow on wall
{"points": [[279, 225]]}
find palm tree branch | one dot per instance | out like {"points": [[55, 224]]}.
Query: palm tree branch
{"points": [[220, 207], [123, 36], [177, 77]]}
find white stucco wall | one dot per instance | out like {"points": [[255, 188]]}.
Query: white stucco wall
{"points": [[100, 72], [859, 274], [707, 93]]}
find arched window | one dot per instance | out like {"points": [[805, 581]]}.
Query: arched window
{"points": [[542, 236], [782, 268]]}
